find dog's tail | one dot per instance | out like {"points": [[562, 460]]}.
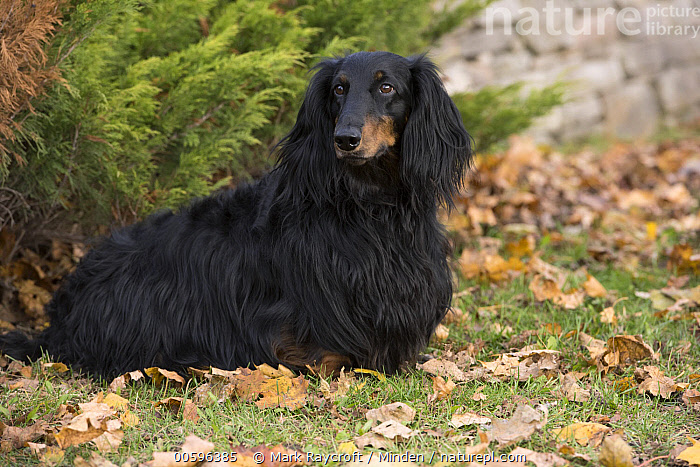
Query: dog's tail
{"points": [[20, 347]]}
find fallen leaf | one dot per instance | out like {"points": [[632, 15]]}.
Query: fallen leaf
{"points": [[468, 418], [540, 459], [443, 368], [178, 405], [525, 364], [594, 288], [116, 402], [571, 389], [652, 380], [32, 298], [524, 422], [109, 440], [120, 382], [607, 316], [441, 332], [54, 367], [692, 454], [19, 436], [290, 393], [373, 439], [374, 373], [622, 351], [94, 461], [615, 452], [394, 431], [397, 411], [441, 389], [584, 433], [193, 445], [91, 423], [158, 375]]}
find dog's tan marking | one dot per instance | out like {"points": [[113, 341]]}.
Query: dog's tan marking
{"points": [[378, 75], [377, 135]]}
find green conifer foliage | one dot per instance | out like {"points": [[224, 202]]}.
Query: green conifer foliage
{"points": [[160, 101]]}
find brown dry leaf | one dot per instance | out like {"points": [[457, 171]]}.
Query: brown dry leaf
{"points": [[691, 398], [291, 393], [17, 437], [397, 411], [442, 333], [94, 461], [584, 433], [479, 396], [692, 454], [32, 298], [524, 422], [570, 300], [441, 389], [446, 369], [622, 351], [91, 423], [523, 247], [120, 382], [615, 452], [373, 439], [571, 389], [394, 431], [594, 288], [526, 364], [540, 459], [109, 440], [595, 347], [543, 288], [682, 260], [468, 418], [158, 375], [607, 316], [176, 405], [281, 370], [651, 379], [548, 271], [192, 445]]}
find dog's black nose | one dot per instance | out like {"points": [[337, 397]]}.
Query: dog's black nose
{"points": [[348, 140]]}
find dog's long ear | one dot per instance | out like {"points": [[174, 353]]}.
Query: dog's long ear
{"points": [[436, 149], [313, 130]]}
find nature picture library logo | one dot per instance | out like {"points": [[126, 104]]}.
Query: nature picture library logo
{"points": [[660, 19]]}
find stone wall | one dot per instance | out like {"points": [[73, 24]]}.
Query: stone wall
{"points": [[632, 66]]}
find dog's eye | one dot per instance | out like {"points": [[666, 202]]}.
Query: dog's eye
{"points": [[386, 88], [339, 90]]}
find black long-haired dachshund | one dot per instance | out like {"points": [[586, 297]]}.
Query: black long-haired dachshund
{"points": [[335, 258]]}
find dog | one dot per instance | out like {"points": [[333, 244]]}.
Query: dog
{"points": [[334, 259]]}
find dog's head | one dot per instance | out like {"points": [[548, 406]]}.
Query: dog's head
{"points": [[378, 110]]}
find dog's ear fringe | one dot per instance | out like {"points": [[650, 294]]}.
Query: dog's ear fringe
{"points": [[436, 149], [312, 135]]}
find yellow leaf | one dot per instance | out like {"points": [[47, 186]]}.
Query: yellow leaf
{"points": [[692, 454], [376, 374], [651, 231], [584, 433], [615, 452], [347, 447], [116, 402]]}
